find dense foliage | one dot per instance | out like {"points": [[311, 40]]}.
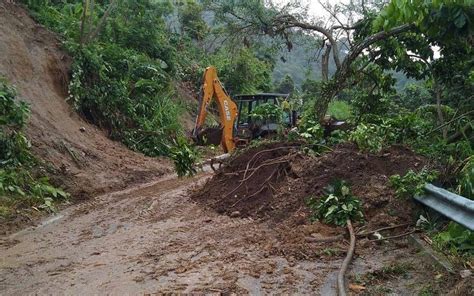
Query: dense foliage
{"points": [[20, 184], [128, 57], [412, 183]]}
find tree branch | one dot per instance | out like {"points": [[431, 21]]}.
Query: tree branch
{"points": [[325, 32], [97, 30], [358, 48]]}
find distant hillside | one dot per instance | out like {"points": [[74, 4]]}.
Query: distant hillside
{"points": [[304, 60]]}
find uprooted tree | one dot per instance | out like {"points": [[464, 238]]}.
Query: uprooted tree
{"points": [[357, 28]]}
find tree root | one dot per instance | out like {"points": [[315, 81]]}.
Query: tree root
{"points": [[263, 151], [382, 229], [328, 239], [341, 286], [395, 236]]}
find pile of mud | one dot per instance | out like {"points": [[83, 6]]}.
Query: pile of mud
{"points": [[273, 181]]}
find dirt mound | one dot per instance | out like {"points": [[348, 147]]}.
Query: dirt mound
{"points": [[77, 155], [273, 182]]}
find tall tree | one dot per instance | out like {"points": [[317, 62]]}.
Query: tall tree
{"points": [[255, 18]]}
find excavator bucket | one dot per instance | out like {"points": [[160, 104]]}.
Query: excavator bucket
{"points": [[208, 136]]}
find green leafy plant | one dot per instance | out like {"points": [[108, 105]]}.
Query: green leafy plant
{"points": [[268, 112], [336, 206], [412, 183], [457, 239], [18, 186], [311, 130], [184, 157], [340, 110], [337, 137], [466, 179], [370, 137]]}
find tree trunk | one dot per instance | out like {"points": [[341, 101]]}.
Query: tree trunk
{"points": [[438, 91], [329, 91], [85, 7], [325, 63], [102, 21]]}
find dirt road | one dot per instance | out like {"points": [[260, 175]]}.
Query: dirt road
{"points": [[152, 238], [155, 239]]}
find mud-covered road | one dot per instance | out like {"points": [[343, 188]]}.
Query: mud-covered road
{"points": [[149, 239], [155, 239]]}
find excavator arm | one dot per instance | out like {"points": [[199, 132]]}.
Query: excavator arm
{"points": [[212, 88]]}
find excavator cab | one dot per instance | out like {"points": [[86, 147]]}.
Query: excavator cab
{"points": [[248, 128]]}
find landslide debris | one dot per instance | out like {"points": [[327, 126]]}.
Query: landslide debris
{"points": [[273, 181]]}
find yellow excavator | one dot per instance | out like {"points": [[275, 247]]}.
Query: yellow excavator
{"points": [[237, 127], [211, 88]]}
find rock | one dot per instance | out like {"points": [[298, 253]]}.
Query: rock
{"points": [[82, 129], [465, 273], [235, 214]]}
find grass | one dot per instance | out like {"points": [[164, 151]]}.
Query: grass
{"points": [[340, 110]]}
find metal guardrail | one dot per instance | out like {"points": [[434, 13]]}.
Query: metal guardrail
{"points": [[453, 206]]}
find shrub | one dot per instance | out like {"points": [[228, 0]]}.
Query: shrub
{"points": [[340, 110], [370, 137], [184, 157], [466, 179], [268, 112], [128, 94], [310, 130], [17, 184], [336, 206], [457, 239], [412, 183]]}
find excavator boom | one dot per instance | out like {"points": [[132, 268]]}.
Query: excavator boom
{"points": [[212, 88]]}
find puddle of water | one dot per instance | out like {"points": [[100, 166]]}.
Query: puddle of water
{"points": [[51, 220], [42, 224]]}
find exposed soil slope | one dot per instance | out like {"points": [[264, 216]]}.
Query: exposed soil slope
{"points": [[83, 162]]}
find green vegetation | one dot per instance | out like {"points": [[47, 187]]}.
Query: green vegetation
{"points": [[127, 61], [21, 185], [371, 137], [184, 157], [412, 183], [456, 239], [336, 206], [340, 110], [268, 112], [466, 179]]}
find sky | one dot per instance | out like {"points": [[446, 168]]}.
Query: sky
{"points": [[314, 8]]}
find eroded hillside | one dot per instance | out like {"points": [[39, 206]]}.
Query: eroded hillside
{"points": [[76, 154]]}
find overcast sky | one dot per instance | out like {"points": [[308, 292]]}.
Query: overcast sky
{"points": [[314, 7]]}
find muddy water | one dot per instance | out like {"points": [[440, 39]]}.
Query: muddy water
{"points": [[152, 238]]}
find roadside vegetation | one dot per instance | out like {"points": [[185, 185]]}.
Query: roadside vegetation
{"points": [[22, 183]]}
